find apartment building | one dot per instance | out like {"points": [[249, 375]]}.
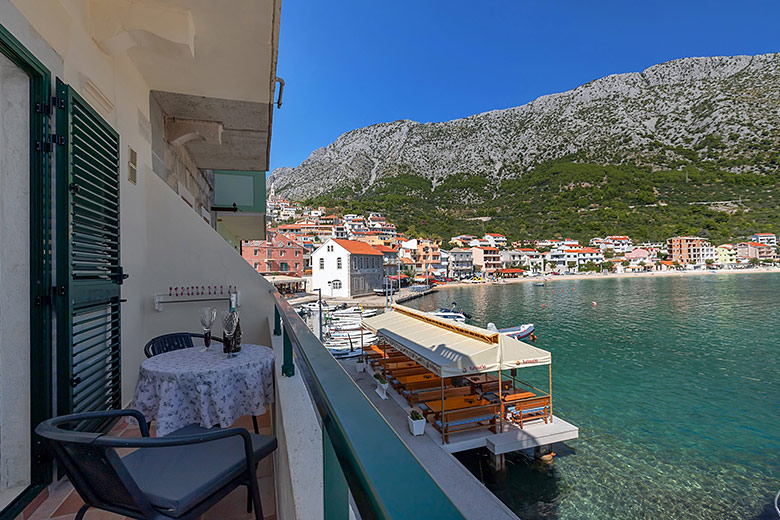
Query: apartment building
{"points": [[756, 250], [389, 259], [769, 239], [688, 250], [460, 264], [277, 254], [726, 254], [562, 257], [495, 240], [487, 260], [424, 253]]}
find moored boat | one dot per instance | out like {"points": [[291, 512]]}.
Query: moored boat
{"points": [[519, 332]]}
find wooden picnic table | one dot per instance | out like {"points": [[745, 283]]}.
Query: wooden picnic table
{"points": [[454, 403], [508, 398], [418, 378]]}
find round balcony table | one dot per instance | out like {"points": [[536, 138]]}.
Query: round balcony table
{"points": [[193, 386]]}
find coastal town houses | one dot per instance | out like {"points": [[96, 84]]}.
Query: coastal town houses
{"points": [[486, 259], [460, 264], [619, 244], [462, 240], [346, 268], [769, 239], [277, 254], [690, 251], [757, 250]]}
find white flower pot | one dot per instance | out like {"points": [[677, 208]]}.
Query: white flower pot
{"points": [[381, 389], [416, 427]]}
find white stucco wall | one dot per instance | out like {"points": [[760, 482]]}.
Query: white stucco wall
{"points": [[181, 249], [321, 277], [163, 241], [14, 276]]}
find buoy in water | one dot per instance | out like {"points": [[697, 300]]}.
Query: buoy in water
{"points": [[547, 457], [594, 304], [542, 306]]}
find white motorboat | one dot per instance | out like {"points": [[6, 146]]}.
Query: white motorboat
{"points": [[451, 314]]}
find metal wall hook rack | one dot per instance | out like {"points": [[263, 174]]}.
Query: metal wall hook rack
{"points": [[196, 293]]}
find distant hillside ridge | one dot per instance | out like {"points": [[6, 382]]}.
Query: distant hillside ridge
{"points": [[655, 117], [656, 149]]}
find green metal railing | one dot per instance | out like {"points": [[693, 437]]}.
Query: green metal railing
{"points": [[363, 456]]}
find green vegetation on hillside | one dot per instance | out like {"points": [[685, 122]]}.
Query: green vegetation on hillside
{"points": [[581, 200]]}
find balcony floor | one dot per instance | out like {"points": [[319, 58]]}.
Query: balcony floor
{"points": [[63, 502]]}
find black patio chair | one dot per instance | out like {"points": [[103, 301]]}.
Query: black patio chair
{"points": [[178, 476], [174, 341]]}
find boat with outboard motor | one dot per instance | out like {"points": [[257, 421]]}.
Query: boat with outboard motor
{"points": [[452, 314]]}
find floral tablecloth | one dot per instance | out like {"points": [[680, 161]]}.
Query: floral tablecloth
{"points": [[191, 385]]}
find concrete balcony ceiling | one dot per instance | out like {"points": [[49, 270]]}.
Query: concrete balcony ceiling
{"points": [[211, 67]]}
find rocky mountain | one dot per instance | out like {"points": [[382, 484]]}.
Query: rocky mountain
{"points": [[722, 110]]}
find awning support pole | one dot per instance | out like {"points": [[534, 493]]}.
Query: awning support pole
{"points": [[442, 401], [550, 388], [501, 402]]}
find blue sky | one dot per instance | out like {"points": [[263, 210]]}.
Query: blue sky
{"points": [[350, 64]]}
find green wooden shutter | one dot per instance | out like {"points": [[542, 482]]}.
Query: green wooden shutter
{"points": [[89, 274]]}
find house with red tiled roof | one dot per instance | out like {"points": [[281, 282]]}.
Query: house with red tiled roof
{"points": [[495, 240], [755, 250], [347, 268], [487, 260], [277, 254]]}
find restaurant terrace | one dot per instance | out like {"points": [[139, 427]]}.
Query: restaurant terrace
{"points": [[464, 381]]}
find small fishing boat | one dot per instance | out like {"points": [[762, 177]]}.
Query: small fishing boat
{"points": [[539, 284], [519, 332], [315, 306], [355, 311]]}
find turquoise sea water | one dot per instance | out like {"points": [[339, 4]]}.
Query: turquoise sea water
{"points": [[674, 383]]}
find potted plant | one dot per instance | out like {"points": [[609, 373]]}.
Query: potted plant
{"points": [[416, 423], [361, 365], [382, 384]]}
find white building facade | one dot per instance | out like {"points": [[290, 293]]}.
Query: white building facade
{"points": [[346, 268]]}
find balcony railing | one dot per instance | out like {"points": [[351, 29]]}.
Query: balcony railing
{"points": [[363, 456]]}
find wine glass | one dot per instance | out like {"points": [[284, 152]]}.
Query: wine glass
{"points": [[207, 317], [229, 323]]}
